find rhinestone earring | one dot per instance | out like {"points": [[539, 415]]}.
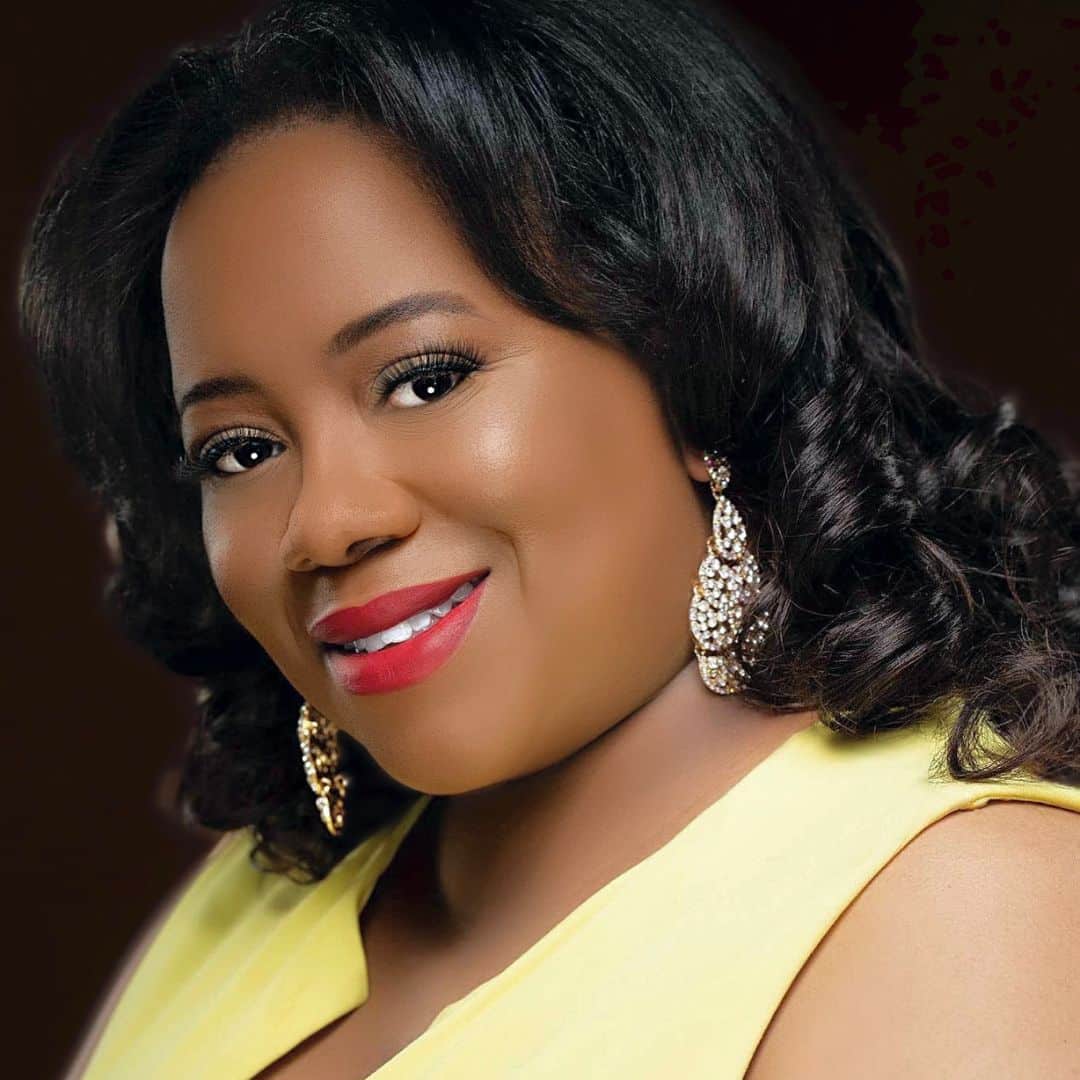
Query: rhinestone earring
{"points": [[321, 756], [727, 580]]}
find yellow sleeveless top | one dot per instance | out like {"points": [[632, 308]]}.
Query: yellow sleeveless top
{"points": [[249, 964]]}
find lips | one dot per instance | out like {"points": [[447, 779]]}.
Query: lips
{"points": [[348, 624], [409, 662]]}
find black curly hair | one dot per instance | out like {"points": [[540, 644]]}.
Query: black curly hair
{"points": [[621, 167]]}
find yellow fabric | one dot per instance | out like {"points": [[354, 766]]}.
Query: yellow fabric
{"points": [[674, 968]]}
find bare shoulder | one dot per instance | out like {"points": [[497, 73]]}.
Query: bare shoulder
{"points": [[128, 964], [959, 958]]}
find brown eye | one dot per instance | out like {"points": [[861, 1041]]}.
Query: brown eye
{"points": [[241, 450], [243, 454], [424, 388], [428, 379]]}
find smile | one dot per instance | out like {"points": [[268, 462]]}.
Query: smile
{"points": [[413, 626], [410, 650]]}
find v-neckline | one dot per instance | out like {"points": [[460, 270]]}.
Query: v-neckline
{"points": [[394, 837]]}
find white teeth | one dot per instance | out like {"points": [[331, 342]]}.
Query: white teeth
{"points": [[401, 632], [414, 624], [421, 621]]}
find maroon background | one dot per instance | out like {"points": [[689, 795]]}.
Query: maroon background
{"points": [[962, 125]]}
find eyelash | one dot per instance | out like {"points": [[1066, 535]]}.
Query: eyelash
{"points": [[456, 358]]}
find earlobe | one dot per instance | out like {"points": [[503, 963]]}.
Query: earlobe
{"points": [[694, 462]]}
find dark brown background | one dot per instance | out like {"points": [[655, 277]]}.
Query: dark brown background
{"points": [[962, 125]]}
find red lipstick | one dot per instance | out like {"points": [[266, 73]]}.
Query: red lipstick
{"points": [[399, 665], [348, 624]]}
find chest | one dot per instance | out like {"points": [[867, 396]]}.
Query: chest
{"points": [[411, 979], [415, 970], [402, 1005]]}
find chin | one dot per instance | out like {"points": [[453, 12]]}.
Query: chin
{"points": [[449, 764]]}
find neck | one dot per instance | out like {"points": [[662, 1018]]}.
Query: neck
{"points": [[552, 838]]}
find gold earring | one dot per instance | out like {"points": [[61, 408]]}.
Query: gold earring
{"points": [[321, 755], [727, 580]]}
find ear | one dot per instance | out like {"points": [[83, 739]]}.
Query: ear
{"points": [[694, 463]]}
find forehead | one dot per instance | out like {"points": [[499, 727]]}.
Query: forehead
{"points": [[295, 230]]}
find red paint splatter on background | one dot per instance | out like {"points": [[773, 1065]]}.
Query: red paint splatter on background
{"points": [[935, 201], [1022, 107], [893, 121], [953, 168], [924, 74], [938, 234]]}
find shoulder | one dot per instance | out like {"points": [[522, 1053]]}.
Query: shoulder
{"points": [[963, 948], [136, 951]]}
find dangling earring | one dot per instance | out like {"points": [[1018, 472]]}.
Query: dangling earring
{"points": [[321, 755], [727, 580]]}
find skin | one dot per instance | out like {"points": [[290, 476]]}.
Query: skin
{"points": [[958, 959], [571, 734], [551, 465]]}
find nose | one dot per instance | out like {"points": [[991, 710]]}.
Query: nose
{"points": [[340, 514]]}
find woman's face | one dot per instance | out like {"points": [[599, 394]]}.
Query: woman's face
{"points": [[549, 464]]}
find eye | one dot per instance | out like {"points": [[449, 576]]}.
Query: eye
{"points": [[239, 450], [422, 379], [413, 382], [244, 452]]}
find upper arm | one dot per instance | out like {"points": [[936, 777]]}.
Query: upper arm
{"points": [[961, 958], [126, 969]]}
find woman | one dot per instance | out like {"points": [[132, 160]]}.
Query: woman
{"points": [[520, 331]]}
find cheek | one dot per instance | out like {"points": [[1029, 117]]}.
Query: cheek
{"points": [[236, 552], [605, 526]]}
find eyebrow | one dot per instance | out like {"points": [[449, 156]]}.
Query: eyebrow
{"points": [[348, 337]]}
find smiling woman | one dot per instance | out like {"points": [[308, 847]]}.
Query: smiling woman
{"points": [[514, 425]]}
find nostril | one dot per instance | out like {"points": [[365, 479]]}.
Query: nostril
{"points": [[359, 548]]}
